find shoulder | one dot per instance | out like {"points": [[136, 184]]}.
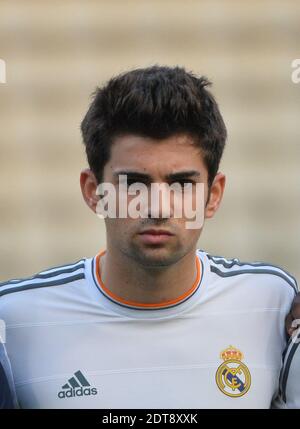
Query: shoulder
{"points": [[230, 268], [43, 280]]}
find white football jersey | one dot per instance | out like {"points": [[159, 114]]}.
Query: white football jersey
{"points": [[73, 344]]}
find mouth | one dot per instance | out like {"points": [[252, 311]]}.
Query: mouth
{"points": [[155, 236]]}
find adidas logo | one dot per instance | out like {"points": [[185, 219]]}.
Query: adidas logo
{"points": [[77, 386]]}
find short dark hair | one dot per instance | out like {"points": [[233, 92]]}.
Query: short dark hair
{"points": [[155, 102]]}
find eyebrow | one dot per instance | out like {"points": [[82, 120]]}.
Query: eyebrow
{"points": [[173, 176], [183, 174]]}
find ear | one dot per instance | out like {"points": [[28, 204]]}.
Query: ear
{"points": [[88, 184], [215, 195]]}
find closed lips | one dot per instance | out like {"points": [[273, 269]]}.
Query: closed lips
{"points": [[156, 232]]}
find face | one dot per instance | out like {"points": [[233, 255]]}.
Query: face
{"points": [[155, 241]]}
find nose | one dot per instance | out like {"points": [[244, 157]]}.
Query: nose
{"points": [[159, 203]]}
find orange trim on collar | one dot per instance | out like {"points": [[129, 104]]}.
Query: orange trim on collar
{"points": [[138, 304]]}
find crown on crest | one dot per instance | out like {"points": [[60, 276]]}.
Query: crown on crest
{"points": [[231, 353]]}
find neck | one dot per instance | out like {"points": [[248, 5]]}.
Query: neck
{"points": [[127, 280]]}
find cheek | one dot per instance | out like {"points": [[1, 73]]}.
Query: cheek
{"points": [[195, 199], [119, 228], [188, 235]]}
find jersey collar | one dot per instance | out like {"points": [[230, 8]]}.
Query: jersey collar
{"points": [[161, 309]]}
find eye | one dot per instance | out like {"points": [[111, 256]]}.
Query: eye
{"points": [[133, 181], [184, 181]]}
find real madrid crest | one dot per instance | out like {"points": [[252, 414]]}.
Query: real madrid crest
{"points": [[233, 377]]}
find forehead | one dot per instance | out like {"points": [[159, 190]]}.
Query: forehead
{"points": [[168, 155]]}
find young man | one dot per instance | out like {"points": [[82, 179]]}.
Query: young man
{"points": [[151, 321]]}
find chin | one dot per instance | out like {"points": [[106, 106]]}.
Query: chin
{"points": [[156, 257]]}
